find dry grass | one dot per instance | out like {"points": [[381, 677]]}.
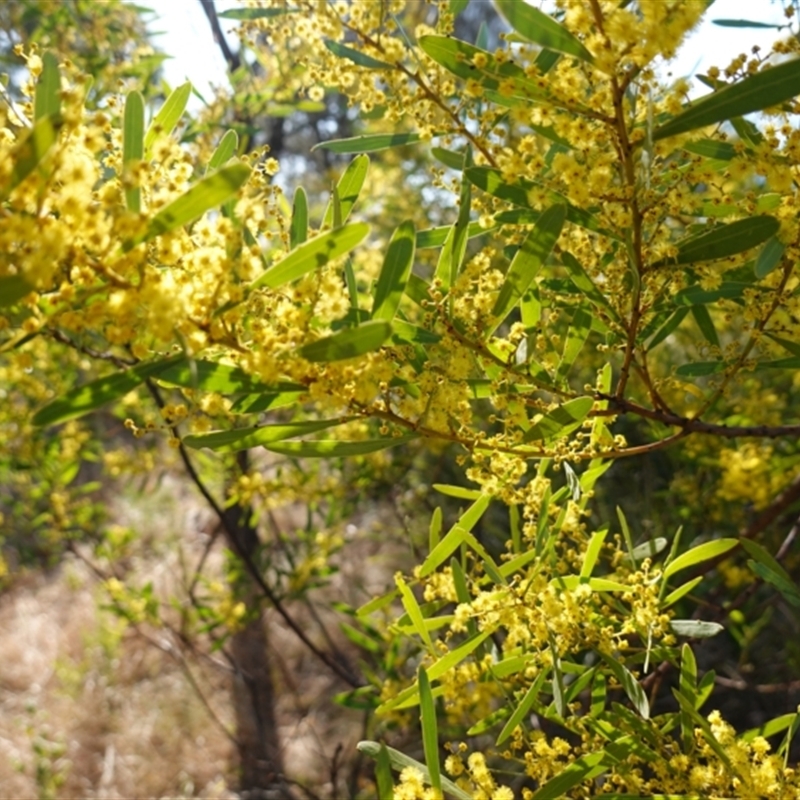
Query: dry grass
{"points": [[88, 710]]}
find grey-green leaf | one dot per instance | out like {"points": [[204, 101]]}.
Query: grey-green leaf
{"points": [[561, 421], [769, 257], [313, 254], [770, 87], [369, 143], [395, 271], [356, 56], [349, 343]]}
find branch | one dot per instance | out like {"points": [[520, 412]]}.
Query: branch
{"points": [[232, 59], [619, 405]]}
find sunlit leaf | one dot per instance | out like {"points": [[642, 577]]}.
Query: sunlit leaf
{"points": [[400, 761], [133, 143], [86, 398], [593, 552], [12, 289], [348, 343], [313, 254], [47, 95], [224, 151], [580, 770], [298, 230], [542, 29], [700, 369], [631, 686], [394, 274], [703, 552], [436, 237], [168, 117], [29, 152], [770, 87], [209, 192], [347, 191]]}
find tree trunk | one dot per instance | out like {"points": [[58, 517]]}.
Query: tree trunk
{"points": [[260, 756]]}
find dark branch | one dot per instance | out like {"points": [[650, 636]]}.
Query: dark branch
{"points": [[231, 59]]}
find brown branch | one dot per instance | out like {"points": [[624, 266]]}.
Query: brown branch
{"points": [[619, 405], [231, 59]]}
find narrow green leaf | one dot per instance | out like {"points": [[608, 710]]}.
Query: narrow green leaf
{"points": [[370, 143], [435, 528], [454, 249], [770, 87], [430, 732], [436, 237], [527, 261], [593, 552], [457, 491], [298, 230], [561, 421], [395, 271], [680, 592], [581, 279], [456, 656], [572, 582], [243, 438], [695, 628], [400, 761], [542, 29], [701, 722], [787, 588], [696, 295], [405, 332], [700, 368], [711, 148], [12, 289], [30, 150], [631, 686], [455, 537], [724, 241], [557, 681], [255, 404], [598, 704], [383, 773], [255, 13], [356, 56], [667, 328], [335, 448], [313, 254], [706, 325], [744, 23], [769, 257], [348, 343], [225, 150], [347, 189], [770, 728], [167, 118], [47, 95], [703, 552], [762, 556], [578, 771], [688, 686], [577, 334], [209, 192], [86, 398], [211, 376], [414, 612], [133, 143]]}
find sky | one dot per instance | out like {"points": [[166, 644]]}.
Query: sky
{"points": [[195, 56]]}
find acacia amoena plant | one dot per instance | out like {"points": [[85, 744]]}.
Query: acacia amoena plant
{"points": [[615, 251]]}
